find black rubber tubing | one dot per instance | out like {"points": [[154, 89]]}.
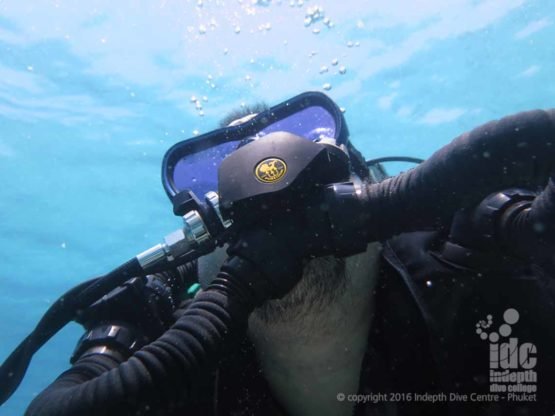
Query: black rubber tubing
{"points": [[161, 374], [514, 151]]}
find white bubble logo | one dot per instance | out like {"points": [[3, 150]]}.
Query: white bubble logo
{"points": [[510, 316], [511, 361]]}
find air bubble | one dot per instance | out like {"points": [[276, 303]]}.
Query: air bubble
{"points": [[350, 44], [193, 99], [202, 29], [323, 69], [226, 51], [315, 30], [342, 70], [326, 86], [196, 132], [237, 29], [334, 61]]}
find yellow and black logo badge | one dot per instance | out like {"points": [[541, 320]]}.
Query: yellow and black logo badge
{"points": [[270, 170]]}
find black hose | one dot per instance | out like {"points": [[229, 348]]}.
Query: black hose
{"points": [[15, 366], [518, 150], [161, 374], [56, 317], [530, 232]]}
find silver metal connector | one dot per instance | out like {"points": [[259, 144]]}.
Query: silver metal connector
{"points": [[194, 236]]}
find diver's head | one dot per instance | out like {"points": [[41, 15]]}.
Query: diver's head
{"points": [[324, 279]]}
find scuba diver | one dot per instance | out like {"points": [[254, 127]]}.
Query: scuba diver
{"points": [[305, 281]]}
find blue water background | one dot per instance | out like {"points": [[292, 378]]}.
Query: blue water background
{"points": [[93, 93]]}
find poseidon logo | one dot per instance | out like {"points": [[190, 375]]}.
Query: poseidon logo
{"points": [[270, 170]]}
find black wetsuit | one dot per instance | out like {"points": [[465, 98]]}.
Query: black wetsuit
{"points": [[424, 355], [424, 344]]}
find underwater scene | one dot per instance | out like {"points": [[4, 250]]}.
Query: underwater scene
{"points": [[93, 94]]}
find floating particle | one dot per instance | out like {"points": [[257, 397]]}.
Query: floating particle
{"points": [[342, 109], [334, 61], [428, 283], [307, 21], [132, 94], [248, 77], [237, 29], [312, 53], [350, 44], [204, 98], [357, 44], [268, 26], [342, 69], [323, 69], [252, 61], [360, 24], [209, 76], [30, 68], [193, 99], [202, 29], [195, 132], [201, 113], [212, 85], [326, 86], [315, 30], [198, 105], [226, 51], [63, 245], [200, 3], [285, 42]]}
